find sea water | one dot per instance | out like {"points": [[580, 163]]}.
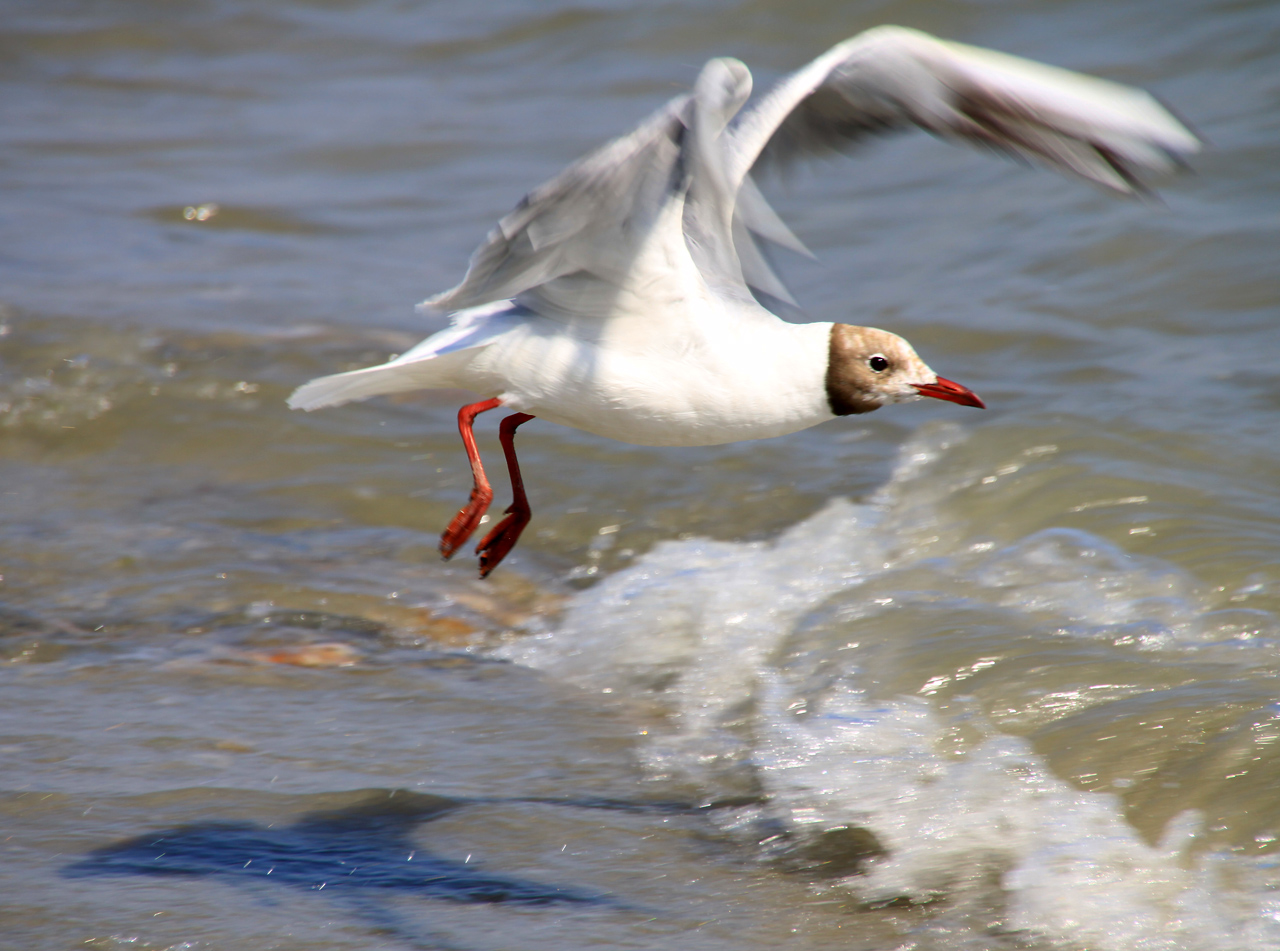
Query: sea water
{"points": [[931, 678]]}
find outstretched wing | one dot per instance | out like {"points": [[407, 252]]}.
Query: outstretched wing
{"points": [[678, 190], [891, 78], [582, 219], [625, 218]]}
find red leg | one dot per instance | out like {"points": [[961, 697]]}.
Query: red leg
{"points": [[506, 533], [465, 522]]}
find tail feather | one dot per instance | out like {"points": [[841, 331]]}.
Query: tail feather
{"points": [[432, 364], [361, 384]]}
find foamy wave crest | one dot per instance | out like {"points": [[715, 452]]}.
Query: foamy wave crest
{"points": [[854, 672]]}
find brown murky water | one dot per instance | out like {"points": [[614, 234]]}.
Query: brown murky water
{"points": [[931, 679]]}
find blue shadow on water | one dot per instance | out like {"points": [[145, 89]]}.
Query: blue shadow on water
{"points": [[366, 846], [361, 854]]}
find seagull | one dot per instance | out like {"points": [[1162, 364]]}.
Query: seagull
{"points": [[626, 296]]}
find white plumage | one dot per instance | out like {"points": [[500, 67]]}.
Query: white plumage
{"points": [[622, 297]]}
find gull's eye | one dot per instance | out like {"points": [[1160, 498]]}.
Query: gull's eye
{"points": [[878, 363]]}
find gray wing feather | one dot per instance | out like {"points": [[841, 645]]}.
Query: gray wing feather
{"points": [[892, 78], [570, 244], [584, 219]]}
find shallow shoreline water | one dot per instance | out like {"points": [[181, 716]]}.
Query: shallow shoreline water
{"points": [[925, 679]]}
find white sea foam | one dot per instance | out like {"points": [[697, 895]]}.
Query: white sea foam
{"points": [[705, 628], [1070, 868]]}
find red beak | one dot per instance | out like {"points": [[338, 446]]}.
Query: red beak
{"points": [[951, 392]]}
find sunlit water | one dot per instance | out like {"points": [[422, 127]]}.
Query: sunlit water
{"points": [[929, 679]]}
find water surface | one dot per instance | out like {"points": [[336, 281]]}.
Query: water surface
{"points": [[931, 679]]}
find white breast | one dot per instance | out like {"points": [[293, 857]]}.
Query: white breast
{"points": [[719, 380]]}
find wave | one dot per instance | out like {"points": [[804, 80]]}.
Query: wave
{"points": [[913, 713]]}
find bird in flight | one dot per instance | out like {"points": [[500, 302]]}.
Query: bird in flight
{"points": [[623, 297]]}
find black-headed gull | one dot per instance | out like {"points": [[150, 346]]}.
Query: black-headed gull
{"points": [[621, 296]]}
